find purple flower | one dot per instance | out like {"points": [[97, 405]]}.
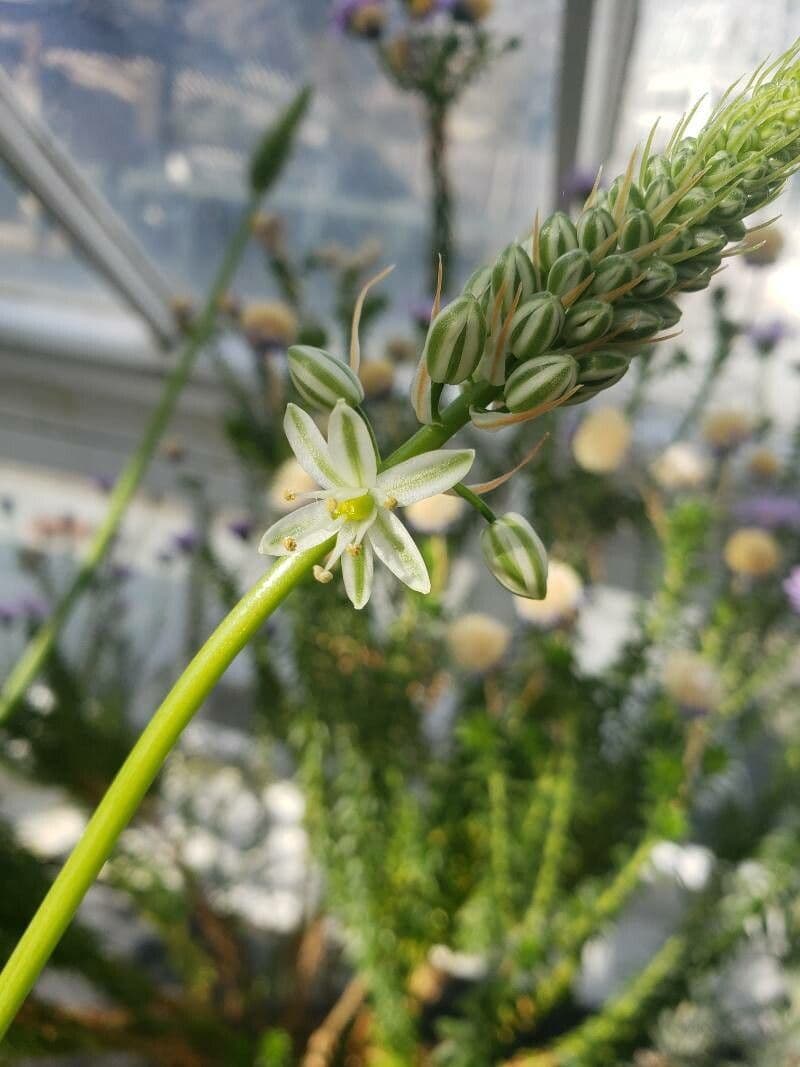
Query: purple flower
{"points": [[104, 482], [241, 528], [363, 17], [186, 541], [9, 612], [770, 510], [120, 572], [33, 608], [791, 587], [578, 183], [767, 335]]}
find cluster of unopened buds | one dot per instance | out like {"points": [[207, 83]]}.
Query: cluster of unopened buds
{"points": [[555, 320]]}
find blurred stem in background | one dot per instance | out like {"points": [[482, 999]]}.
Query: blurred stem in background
{"points": [[441, 234], [268, 162]]}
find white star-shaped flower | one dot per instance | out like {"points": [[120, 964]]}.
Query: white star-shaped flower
{"points": [[356, 503]]}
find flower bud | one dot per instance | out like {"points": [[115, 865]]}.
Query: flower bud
{"points": [[681, 242], [536, 325], [657, 167], [712, 238], [568, 271], [612, 272], [516, 556], [693, 276], [601, 366], [682, 155], [717, 167], [635, 200], [635, 321], [586, 321], [540, 381], [455, 341], [657, 192], [735, 229], [513, 269], [594, 227], [696, 202], [668, 311], [658, 278], [321, 379], [597, 372], [479, 285], [637, 230], [557, 236]]}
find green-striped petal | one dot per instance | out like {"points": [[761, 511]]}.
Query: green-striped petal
{"points": [[299, 530], [309, 447], [516, 556], [351, 448], [395, 548], [357, 571], [425, 475]]}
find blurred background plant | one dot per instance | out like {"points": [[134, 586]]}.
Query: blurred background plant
{"points": [[457, 830]]}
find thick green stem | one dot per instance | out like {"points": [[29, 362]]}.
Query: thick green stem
{"points": [[41, 645], [151, 750], [137, 773]]}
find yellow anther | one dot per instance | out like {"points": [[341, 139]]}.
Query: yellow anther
{"points": [[353, 550], [390, 502], [289, 544], [322, 575], [333, 507], [289, 495]]}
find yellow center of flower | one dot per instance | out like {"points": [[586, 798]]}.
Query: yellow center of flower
{"points": [[357, 509]]}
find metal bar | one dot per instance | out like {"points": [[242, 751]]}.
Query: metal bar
{"points": [[575, 32], [612, 37], [45, 168]]}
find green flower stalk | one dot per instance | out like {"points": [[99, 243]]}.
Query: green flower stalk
{"points": [[600, 289], [666, 225], [267, 164]]}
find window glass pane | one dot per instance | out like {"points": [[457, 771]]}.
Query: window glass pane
{"points": [[159, 103]]}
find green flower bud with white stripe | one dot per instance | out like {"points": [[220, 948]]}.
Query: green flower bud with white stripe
{"points": [[668, 311], [681, 242], [594, 227], [657, 192], [731, 207], [513, 272], [569, 271], [602, 365], [637, 230], [586, 321], [612, 272], [557, 236], [633, 321], [696, 203], [540, 381], [635, 201], [479, 285], [658, 278], [321, 379], [536, 325], [515, 555], [455, 341]]}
